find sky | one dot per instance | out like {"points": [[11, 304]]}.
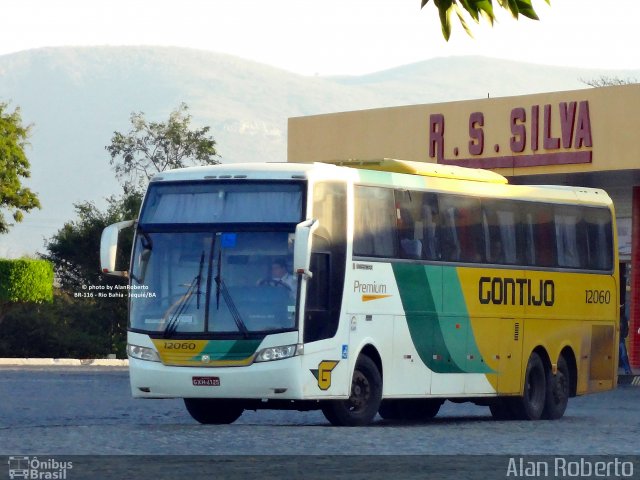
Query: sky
{"points": [[330, 37]]}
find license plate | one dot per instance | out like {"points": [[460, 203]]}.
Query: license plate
{"points": [[206, 381]]}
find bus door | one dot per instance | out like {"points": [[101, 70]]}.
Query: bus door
{"points": [[325, 288]]}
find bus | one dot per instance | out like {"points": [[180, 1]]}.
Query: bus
{"points": [[368, 287]]}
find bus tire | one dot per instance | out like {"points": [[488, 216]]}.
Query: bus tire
{"points": [[365, 398], [211, 411], [558, 391], [531, 405]]}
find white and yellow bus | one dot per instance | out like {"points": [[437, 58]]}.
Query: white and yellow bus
{"points": [[369, 287]]}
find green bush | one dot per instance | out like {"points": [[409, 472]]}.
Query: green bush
{"points": [[67, 328], [37, 320], [25, 280]]}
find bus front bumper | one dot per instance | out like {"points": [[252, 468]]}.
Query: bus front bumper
{"points": [[278, 379]]}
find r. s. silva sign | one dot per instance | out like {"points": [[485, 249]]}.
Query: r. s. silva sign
{"points": [[550, 134]]}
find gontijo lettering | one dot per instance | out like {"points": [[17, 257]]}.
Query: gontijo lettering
{"points": [[516, 291]]}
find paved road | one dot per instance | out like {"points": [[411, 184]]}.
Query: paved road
{"points": [[88, 410]]}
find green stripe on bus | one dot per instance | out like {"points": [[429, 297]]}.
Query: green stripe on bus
{"points": [[456, 325], [440, 329], [229, 349], [422, 317]]}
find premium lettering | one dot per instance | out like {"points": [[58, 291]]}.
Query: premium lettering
{"points": [[369, 287]]}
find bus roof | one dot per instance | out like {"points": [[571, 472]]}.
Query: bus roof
{"points": [[289, 169], [249, 171], [474, 181], [423, 169]]}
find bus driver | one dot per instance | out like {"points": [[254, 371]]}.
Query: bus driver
{"points": [[280, 277]]}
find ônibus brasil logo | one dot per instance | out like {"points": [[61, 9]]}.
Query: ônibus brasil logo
{"points": [[34, 468]]}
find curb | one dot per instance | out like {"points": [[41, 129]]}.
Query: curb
{"points": [[62, 362]]}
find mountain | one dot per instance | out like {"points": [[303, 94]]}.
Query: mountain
{"points": [[77, 97]]}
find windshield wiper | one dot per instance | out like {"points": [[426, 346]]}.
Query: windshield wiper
{"points": [[199, 281], [174, 320], [232, 307], [221, 287], [218, 279]]}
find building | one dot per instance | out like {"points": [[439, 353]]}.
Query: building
{"points": [[587, 137]]}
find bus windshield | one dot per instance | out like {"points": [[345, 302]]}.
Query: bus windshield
{"points": [[222, 202], [212, 282]]}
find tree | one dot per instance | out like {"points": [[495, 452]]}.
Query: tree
{"points": [[23, 281], [476, 8], [74, 252], [14, 166], [152, 147], [605, 81], [66, 328]]}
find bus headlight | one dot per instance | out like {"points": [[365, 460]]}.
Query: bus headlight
{"points": [[142, 353], [278, 353]]}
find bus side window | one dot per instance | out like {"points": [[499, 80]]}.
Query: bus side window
{"points": [[375, 222], [362, 234], [529, 240], [566, 228], [362, 238], [317, 324], [328, 257], [464, 239], [501, 231], [318, 287], [450, 242], [544, 233], [409, 225], [598, 226], [410, 246], [430, 221]]}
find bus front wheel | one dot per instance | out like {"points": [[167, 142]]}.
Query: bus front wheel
{"points": [[365, 398], [211, 411]]}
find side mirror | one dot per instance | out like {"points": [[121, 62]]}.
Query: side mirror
{"points": [[109, 248], [302, 247]]}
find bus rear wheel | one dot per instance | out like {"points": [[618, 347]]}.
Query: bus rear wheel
{"points": [[531, 405], [558, 391], [365, 398], [211, 411]]}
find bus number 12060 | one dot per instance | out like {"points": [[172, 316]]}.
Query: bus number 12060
{"points": [[597, 296], [179, 346]]}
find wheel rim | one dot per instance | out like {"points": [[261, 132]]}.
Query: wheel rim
{"points": [[360, 392]]}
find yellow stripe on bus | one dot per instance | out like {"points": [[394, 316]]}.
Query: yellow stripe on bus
{"points": [[368, 298]]}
